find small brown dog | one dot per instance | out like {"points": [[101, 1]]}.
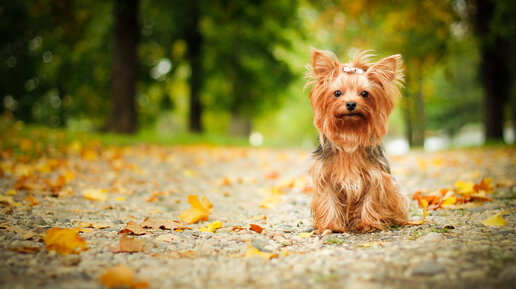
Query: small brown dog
{"points": [[353, 186]]}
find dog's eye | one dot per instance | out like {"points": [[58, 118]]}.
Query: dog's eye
{"points": [[337, 93], [364, 94]]}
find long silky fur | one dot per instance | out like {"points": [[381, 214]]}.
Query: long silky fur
{"points": [[354, 189]]}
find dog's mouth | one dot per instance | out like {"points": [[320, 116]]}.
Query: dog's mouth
{"points": [[350, 114]]}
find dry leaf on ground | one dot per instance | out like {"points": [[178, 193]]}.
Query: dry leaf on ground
{"points": [[32, 201], [211, 227], [128, 245], [26, 250], [163, 224], [95, 194], [496, 220], [253, 227], [8, 201], [254, 252], [64, 241], [199, 210], [121, 276], [133, 228], [275, 196]]}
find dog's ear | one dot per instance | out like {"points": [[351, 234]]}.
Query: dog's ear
{"points": [[323, 62], [388, 69]]}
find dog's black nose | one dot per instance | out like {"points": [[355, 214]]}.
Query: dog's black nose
{"points": [[350, 105]]}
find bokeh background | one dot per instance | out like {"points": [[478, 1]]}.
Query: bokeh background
{"points": [[233, 71]]}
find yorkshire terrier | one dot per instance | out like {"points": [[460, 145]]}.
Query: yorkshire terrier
{"points": [[353, 186]]}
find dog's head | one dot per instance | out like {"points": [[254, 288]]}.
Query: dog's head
{"points": [[352, 101]]}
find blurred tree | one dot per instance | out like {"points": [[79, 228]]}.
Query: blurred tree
{"points": [[247, 76], [17, 63], [495, 26], [125, 66]]}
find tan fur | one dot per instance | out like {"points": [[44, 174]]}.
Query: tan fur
{"points": [[354, 192]]}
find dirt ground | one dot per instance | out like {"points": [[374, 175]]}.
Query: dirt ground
{"points": [[101, 189]]}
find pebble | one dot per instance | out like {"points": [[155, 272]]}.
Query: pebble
{"points": [[428, 268]]}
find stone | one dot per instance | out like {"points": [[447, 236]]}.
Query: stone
{"points": [[428, 268]]}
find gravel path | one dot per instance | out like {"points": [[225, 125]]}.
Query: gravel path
{"points": [[452, 249]]}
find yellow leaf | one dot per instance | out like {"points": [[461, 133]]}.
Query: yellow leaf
{"points": [[95, 194], [199, 210], [121, 276], [11, 192], [64, 241], [7, 200], [211, 227], [254, 252], [449, 201], [120, 198], [275, 196], [306, 235], [425, 213], [465, 187], [69, 176], [496, 220]]}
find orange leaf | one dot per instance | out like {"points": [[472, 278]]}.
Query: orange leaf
{"points": [[256, 228], [64, 241], [272, 175], [199, 210], [133, 228], [121, 276], [32, 200]]}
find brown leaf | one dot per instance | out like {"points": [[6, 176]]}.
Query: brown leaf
{"points": [[133, 228], [26, 250], [163, 224], [256, 228], [128, 245]]}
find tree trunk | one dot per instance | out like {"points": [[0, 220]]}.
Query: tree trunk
{"points": [[125, 65], [194, 41], [494, 70]]}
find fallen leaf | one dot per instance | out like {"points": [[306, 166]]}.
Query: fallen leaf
{"points": [[306, 235], [199, 210], [272, 175], [425, 213], [26, 250], [254, 252], [237, 229], [133, 228], [449, 201], [128, 245], [253, 227], [211, 227], [496, 220], [32, 201], [374, 244], [7, 201], [275, 196], [92, 225], [163, 224], [11, 193], [121, 276], [64, 241], [465, 187], [95, 194]]}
